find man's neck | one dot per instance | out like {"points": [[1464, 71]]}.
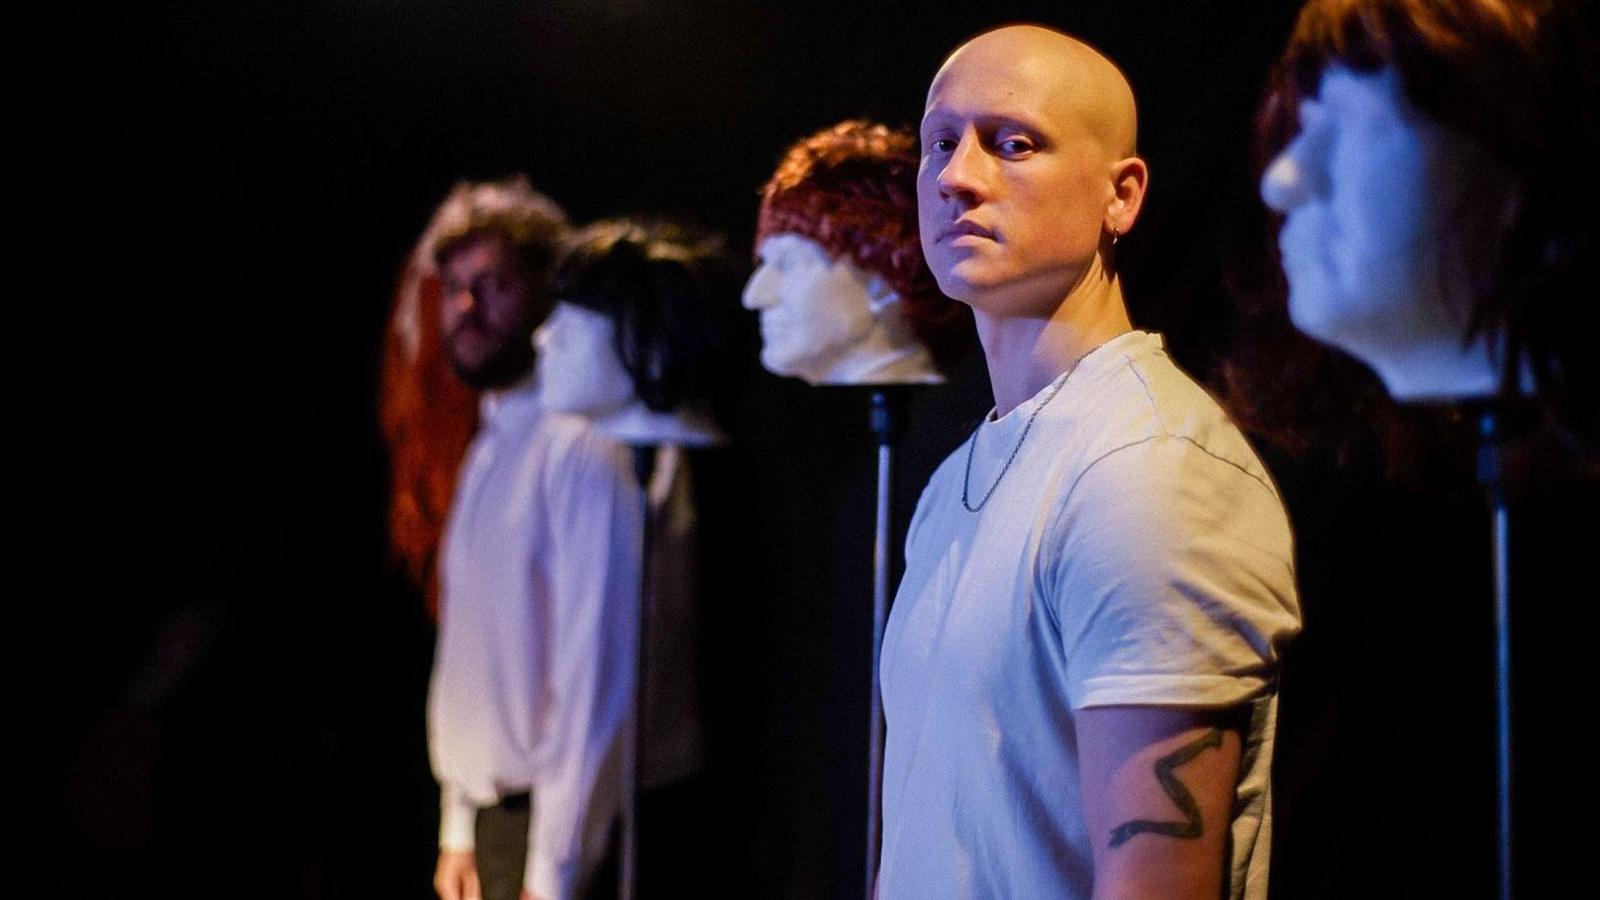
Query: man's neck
{"points": [[1025, 353]]}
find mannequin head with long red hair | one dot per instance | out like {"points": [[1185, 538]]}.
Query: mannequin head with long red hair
{"points": [[469, 297]]}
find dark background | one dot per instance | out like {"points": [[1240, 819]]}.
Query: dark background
{"points": [[228, 677]]}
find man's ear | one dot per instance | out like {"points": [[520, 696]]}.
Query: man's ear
{"points": [[1130, 179]]}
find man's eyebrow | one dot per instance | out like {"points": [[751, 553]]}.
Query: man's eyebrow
{"points": [[986, 121]]}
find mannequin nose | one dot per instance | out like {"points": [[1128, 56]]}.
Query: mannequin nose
{"points": [[1285, 183], [759, 290]]}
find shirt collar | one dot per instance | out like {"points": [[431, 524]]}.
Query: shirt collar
{"points": [[520, 394]]}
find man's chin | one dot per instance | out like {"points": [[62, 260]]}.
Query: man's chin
{"points": [[504, 367], [970, 288]]}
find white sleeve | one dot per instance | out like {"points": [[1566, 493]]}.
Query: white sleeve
{"points": [[1172, 579], [595, 521], [457, 818]]}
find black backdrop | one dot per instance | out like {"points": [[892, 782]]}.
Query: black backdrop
{"points": [[232, 688]]}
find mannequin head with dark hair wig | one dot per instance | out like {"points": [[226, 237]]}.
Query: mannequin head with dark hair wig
{"points": [[428, 410], [1432, 160], [641, 330], [845, 294]]}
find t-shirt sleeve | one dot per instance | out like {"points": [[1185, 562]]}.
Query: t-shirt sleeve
{"points": [[1169, 571]]}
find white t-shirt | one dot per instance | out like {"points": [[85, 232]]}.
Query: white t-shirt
{"points": [[1135, 553]]}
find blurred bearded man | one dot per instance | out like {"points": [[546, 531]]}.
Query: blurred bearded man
{"points": [[532, 684], [1078, 674]]}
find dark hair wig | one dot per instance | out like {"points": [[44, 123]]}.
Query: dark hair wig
{"points": [[671, 290]]}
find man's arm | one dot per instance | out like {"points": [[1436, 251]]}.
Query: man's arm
{"points": [[1158, 789], [456, 875]]}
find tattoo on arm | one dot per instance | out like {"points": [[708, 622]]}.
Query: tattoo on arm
{"points": [[1190, 828]]}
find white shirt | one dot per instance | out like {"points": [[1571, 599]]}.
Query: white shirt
{"points": [[1135, 553], [533, 677]]}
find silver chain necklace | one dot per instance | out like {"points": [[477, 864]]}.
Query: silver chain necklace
{"points": [[972, 445]]}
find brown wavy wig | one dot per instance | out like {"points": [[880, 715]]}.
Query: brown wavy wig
{"points": [[852, 188], [427, 415], [1519, 78]]}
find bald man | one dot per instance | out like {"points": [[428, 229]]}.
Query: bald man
{"points": [[1078, 674]]}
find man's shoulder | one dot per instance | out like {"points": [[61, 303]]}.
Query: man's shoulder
{"points": [[571, 441], [1141, 398]]}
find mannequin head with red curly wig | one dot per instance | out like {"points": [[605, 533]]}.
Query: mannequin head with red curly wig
{"points": [[844, 293], [471, 293]]}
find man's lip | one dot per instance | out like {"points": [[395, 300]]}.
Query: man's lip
{"points": [[962, 227]]}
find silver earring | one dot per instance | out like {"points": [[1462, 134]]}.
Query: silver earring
{"points": [[1115, 234]]}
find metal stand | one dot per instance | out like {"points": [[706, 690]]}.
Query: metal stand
{"points": [[644, 463], [1492, 430], [886, 404]]}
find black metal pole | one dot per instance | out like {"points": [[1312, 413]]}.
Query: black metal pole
{"points": [[644, 463], [1491, 473], [885, 428]]}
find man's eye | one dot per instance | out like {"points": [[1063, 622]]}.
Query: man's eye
{"points": [[1015, 146], [942, 145]]}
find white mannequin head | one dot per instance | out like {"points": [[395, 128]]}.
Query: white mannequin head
{"points": [[843, 290], [828, 321], [1392, 228], [637, 342], [578, 367]]}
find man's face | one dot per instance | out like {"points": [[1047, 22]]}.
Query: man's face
{"points": [[487, 310], [814, 310], [1013, 188]]}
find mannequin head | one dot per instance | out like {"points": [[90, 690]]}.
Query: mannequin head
{"points": [[643, 320], [1427, 230], [579, 369], [815, 309], [500, 238], [840, 279]]}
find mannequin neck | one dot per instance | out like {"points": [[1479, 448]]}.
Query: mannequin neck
{"points": [[889, 353], [1440, 368], [638, 424], [866, 364]]}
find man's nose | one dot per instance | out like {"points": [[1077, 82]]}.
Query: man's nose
{"points": [[965, 173], [462, 300]]}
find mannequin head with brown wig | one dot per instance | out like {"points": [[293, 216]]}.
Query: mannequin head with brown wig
{"points": [[844, 293], [638, 339], [1432, 159], [472, 290]]}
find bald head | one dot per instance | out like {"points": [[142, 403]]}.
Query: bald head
{"points": [[1028, 172], [1073, 81]]}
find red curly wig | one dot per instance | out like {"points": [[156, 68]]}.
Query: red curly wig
{"points": [[852, 188], [427, 415]]}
